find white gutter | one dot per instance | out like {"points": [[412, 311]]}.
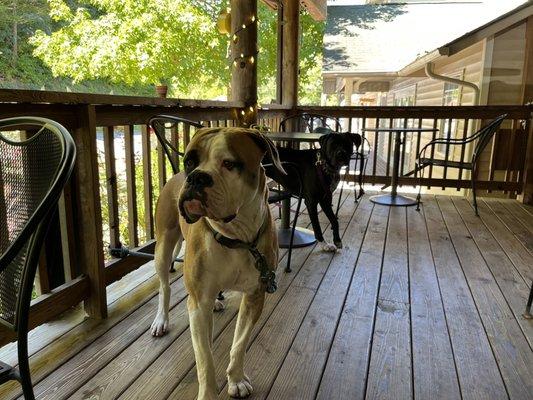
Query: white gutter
{"points": [[431, 74]]}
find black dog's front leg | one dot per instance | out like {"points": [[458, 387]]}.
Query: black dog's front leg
{"points": [[313, 216], [325, 203]]}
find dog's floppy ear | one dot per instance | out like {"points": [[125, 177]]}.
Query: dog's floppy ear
{"points": [[267, 146], [323, 140], [355, 138]]}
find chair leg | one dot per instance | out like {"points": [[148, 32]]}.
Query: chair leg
{"points": [[527, 313], [24, 366], [473, 178], [362, 173], [419, 195], [289, 256], [346, 174]]}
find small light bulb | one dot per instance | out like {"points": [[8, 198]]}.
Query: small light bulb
{"points": [[242, 112], [235, 38], [242, 55], [251, 109], [234, 63], [243, 26], [252, 59], [253, 18]]}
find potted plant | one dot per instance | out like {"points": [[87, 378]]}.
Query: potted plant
{"points": [[161, 88]]}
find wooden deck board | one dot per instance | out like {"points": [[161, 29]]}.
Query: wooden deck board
{"points": [[347, 365], [510, 282], [508, 343], [476, 366], [418, 305], [390, 370], [435, 376], [302, 368], [517, 253]]}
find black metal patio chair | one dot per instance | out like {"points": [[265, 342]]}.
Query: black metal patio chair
{"points": [[33, 172], [160, 124], [481, 139], [309, 122]]}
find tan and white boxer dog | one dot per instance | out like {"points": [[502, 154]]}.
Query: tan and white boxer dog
{"points": [[219, 206]]}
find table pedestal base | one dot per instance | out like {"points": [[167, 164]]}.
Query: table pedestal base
{"points": [[302, 237], [393, 200]]}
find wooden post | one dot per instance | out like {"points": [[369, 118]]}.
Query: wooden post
{"points": [[526, 196], [88, 213], [244, 59], [289, 73]]}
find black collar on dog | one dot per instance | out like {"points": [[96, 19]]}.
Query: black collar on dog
{"points": [[266, 275]]}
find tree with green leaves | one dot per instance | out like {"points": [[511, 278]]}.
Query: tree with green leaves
{"points": [[164, 41], [17, 19]]}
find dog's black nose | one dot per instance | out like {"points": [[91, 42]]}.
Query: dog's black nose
{"points": [[199, 179]]}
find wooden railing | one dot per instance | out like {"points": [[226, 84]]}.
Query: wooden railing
{"points": [[502, 164], [119, 171]]}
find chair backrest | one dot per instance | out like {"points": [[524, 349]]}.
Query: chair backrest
{"points": [[307, 122], [484, 135], [160, 124], [36, 159]]}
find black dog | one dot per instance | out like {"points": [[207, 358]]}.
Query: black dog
{"points": [[319, 170]]}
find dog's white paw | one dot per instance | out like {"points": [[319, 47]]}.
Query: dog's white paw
{"points": [[160, 325], [240, 389], [219, 305], [329, 247]]}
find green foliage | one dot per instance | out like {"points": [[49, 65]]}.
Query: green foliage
{"points": [[166, 41], [127, 46], [131, 41]]}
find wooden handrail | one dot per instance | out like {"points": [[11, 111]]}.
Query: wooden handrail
{"points": [[432, 112]]}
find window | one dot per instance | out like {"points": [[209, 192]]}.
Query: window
{"points": [[451, 97]]}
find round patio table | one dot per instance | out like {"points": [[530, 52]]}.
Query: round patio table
{"points": [[395, 199]]}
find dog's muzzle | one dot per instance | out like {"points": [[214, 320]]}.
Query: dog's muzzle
{"points": [[193, 201]]}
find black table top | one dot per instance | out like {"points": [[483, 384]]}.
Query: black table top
{"points": [[294, 136]]}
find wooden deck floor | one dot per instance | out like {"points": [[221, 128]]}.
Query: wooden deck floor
{"points": [[416, 305]]}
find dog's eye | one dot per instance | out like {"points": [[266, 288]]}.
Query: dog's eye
{"points": [[189, 163], [229, 165]]}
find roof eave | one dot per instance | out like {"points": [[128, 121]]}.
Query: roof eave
{"points": [[489, 29]]}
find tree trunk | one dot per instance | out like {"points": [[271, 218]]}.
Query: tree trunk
{"points": [[14, 56]]}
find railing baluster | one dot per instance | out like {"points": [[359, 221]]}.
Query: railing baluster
{"points": [[131, 186], [186, 135], [510, 152], [375, 153], [433, 136], [404, 145], [389, 149], [418, 140], [161, 166], [447, 150], [492, 162], [147, 182], [111, 186], [174, 139], [463, 148]]}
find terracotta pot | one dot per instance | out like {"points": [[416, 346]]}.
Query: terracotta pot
{"points": [[161, 90]]}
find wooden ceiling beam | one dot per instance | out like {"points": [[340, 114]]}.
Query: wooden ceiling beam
{"points": [[316, 8]]}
